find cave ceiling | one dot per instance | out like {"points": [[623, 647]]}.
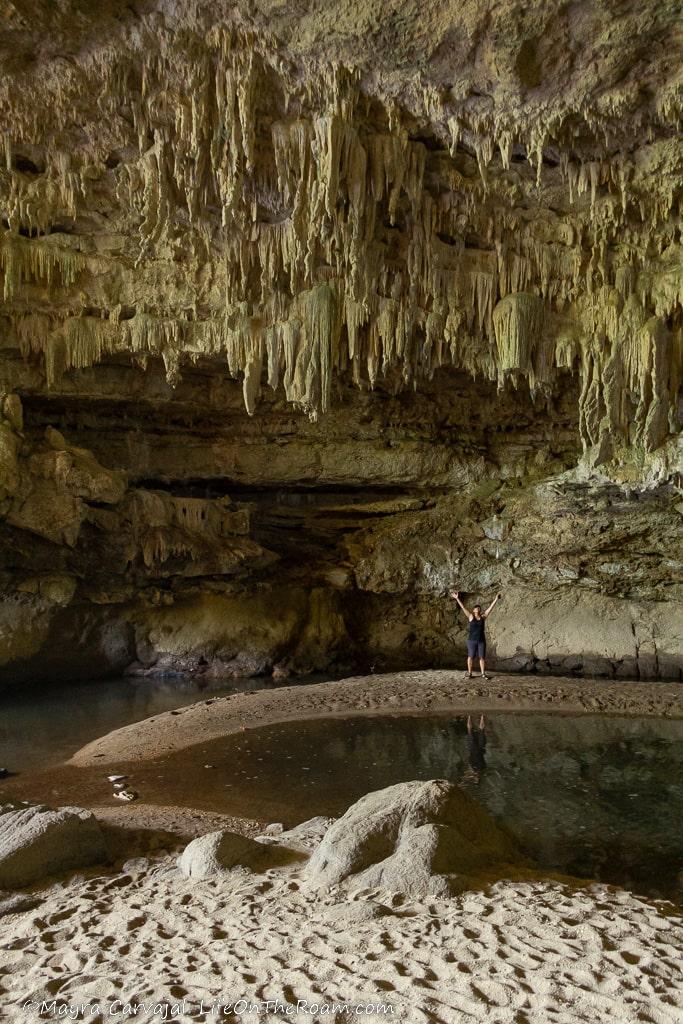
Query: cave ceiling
{"points": [[366, 190]]}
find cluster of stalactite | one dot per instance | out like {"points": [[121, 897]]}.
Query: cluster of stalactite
{"points": [[298, 228], [163, 526]]}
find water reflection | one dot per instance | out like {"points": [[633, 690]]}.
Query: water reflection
{"points": [[476, 749], [593, 796], [43, 727]]}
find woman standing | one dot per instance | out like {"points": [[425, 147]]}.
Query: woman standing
{"points": [[476, 636]]}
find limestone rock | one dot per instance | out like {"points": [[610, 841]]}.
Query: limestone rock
{"points": [[9, 468], [218, 852], [37, 841], [300, 302], [226, 227], [78, 471], [54, 588], [307, 835], [11, 410], [50, 487], [25, 625], [44, 508], [423, 838]]}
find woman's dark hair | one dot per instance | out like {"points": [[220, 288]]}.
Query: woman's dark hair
{"points": [[476, 606]]}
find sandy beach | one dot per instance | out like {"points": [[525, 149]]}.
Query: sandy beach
{"points": [[427, 692], [140, 940], [529, 952]]}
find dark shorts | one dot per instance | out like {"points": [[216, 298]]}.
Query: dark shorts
{"points": [[476, 648], [476, 747]]}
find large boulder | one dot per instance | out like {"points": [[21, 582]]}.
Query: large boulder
{"points": [[423, 838], [37, 841], [218, 852]]}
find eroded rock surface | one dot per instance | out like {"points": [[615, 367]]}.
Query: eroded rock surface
{"points": [[38, 841], [217, 853], [310, 312], [421, 838]]}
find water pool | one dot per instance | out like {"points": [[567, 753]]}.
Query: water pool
{"points": [[593, 796], [40, 727]]}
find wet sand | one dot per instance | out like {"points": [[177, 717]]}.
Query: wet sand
{"points": [[427, 692], [515, 952]]}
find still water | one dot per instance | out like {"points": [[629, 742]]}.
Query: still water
{"points": [[42, 727], [593, 796]]}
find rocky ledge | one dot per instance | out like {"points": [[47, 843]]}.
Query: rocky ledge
{"points": [[311, 311]]}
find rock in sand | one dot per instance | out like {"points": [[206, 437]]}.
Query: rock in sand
{"points": [[218, 852], [422, 838], [37, 841]]}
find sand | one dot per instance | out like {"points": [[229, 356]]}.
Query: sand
{"points": [[532, 951], [519, 953], [428, 692]]}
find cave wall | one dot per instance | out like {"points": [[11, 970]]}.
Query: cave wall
{"points": [[165, 531], [311, 311]]}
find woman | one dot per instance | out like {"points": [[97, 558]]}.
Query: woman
{"points": [[476, 636]]}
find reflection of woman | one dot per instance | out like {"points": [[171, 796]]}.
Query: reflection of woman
{"points": [[476, 747]]}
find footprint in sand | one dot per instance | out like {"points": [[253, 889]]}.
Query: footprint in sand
{"points": [[400, 968], [61, 916], [17, 944], [491, 993], [51, 938]]}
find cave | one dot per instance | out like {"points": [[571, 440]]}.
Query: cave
{"points": [[321, 325]]}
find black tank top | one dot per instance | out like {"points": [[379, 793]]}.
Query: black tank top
{"points": [[476, 631]]}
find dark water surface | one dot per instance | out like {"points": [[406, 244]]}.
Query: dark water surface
{"points": [[41, 727], [590, 795], [593, 796]]}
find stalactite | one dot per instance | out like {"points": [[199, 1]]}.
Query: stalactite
{"points": [[518, 322], [261, 215], [22, 260]]}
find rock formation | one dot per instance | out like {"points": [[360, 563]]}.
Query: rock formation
{"points": [[311, 311], [421, 838], [38, 841], [217, 853]]}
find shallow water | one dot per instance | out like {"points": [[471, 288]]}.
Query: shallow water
{"points": [[592, 796], [42, 727]]}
